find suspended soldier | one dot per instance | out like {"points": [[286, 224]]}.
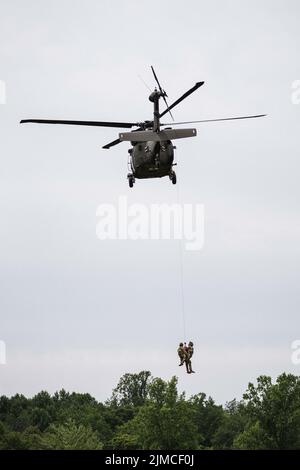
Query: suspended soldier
{"points": [[181, 353], [188, 361]]}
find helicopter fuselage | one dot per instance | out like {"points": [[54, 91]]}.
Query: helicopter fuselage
{"points": [[151, 159]]}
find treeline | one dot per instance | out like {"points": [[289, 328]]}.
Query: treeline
{"points": [[149, 413]]}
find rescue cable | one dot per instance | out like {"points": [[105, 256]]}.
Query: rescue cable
{"points": [[181, 275]]}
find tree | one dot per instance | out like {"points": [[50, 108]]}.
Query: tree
{"points": [[208, 417], [14, 412], [233, 423], [165, 421], [12, 440], [274, 413], [132, 389], [71, 436], [253, 438], [40, 418]]}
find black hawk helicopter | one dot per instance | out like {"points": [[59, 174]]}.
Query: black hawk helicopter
{"points": [[152, 152]]}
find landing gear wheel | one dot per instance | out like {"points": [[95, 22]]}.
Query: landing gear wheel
{"points": [[131, 180], [172, 177]]}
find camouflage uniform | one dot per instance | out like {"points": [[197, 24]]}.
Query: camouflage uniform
{"points": [[181, 354], [189, 354]]}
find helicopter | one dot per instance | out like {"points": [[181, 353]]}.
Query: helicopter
{"points": [[152, 151]]}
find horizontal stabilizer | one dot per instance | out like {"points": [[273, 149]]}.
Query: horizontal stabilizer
{"points": [[165, 134]]}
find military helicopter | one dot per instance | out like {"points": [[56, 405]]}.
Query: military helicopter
{"points": [[152, 152]]}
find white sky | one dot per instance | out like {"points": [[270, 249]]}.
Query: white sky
{"points": [[78, 313]]}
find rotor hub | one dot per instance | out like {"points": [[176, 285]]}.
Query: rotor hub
{"points": [[155, 95]]}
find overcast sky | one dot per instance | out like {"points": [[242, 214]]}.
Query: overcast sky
{"points": [[77, 312]]}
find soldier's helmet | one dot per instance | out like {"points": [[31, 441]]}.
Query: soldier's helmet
{"points": [[191, 343], [181, 344]]}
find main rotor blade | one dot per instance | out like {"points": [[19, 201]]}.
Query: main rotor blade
{"points": [[156, 79], [164, 98], [111, 144], [215, 120], [82, 123], [163, 93], [186, 94]]}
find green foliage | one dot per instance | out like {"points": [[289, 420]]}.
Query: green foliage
{"points": [[149, 413], [253, 438], [132, 389], [70, 436], [12, 440], [233, 423], [208, 418], [276, 409], [166, 421]]}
